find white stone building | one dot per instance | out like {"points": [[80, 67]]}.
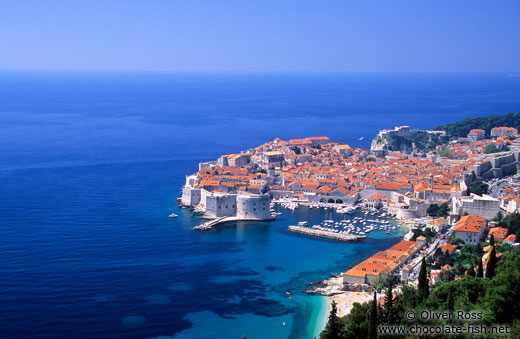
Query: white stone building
{"points": [[255, 207], [470, 229], [483, 206]]}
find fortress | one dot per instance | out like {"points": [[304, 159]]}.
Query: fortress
{"points": [[242, 205], [495, 167]]}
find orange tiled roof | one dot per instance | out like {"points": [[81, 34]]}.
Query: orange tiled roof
{"points": [[383, 261], [377, 196], [470, 223], [498, 233], [447, 247], [511, 238]]}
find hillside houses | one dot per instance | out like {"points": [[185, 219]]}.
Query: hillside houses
{"points": [[470, 229], [503, 131]]}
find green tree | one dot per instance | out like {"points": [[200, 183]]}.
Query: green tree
{"points": [[447, 275], [443, 211], [422, 280], [491, 148], [492, 240], [427, 232], [357, 322], [512, 223], [372, 333], [501, 297], [406, 299], [333, 328], [480, 269], [467, 255], [426, 289], [471, 271], [296, 150], [491, 264], [444, 152], [389, 311], [478, 187], [432, 210], [455, 241], [450, 304], [515, 329]]}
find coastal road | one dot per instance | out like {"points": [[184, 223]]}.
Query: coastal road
{"points": [[417, 261], [497, 185]]}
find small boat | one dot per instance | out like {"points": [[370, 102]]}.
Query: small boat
{"points": [[173, 215], [361, 139]]}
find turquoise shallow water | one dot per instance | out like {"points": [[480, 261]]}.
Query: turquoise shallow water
{"points": [[90, 165], [286, 262]]}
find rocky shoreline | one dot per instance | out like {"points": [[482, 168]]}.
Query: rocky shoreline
{"points": [[327, 287], [334, 289]]}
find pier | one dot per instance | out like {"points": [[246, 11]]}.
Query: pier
{"points": [[209, 224], [325, 234], [214, 222]]}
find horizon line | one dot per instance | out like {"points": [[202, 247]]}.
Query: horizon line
{"points": [[295, 72]]}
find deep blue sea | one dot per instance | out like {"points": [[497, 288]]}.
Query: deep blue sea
{"points": [[90, 165]]}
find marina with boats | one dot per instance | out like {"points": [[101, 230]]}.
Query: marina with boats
{"points": [[340, 222]]}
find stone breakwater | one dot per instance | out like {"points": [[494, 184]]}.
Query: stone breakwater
{"points": [[325, 234], [214, 222], [209, 224]]}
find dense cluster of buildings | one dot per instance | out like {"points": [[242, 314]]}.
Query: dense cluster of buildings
{"points": [[384, 264], [315, 170]]}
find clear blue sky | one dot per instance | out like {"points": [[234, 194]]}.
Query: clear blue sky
{"points": [[263, 35]]}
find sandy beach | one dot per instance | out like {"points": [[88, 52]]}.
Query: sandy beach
{"points": [[333, 289], [346, 301]]}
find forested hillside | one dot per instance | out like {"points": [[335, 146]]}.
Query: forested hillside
{"points": [[462, 128]]}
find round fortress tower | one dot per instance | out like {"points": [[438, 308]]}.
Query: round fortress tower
{"points": [[253, 207]]}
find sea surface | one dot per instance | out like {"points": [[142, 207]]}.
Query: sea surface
{"points": [[90, 165]]}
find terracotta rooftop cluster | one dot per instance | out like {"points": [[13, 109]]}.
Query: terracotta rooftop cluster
{"points": [[321, 166], [385, 261]]}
